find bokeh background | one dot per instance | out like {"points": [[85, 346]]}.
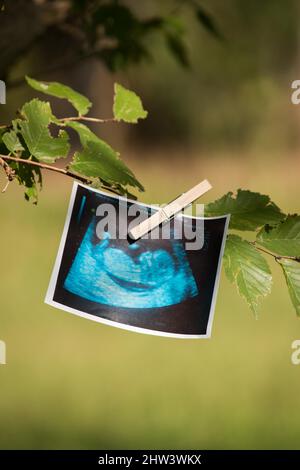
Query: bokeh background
{"points": [[228, 117]]}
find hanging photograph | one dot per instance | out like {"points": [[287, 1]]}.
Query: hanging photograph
{"points": [[163, 284]]}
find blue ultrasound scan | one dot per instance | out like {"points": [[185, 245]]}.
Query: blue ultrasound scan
{"points": [[155, 286], [133, 277]]}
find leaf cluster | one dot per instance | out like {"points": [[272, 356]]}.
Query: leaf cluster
{"points": [[120, 36], [276, 235], [38, 136]]}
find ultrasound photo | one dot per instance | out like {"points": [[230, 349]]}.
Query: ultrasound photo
{"points": [[156, 285]]}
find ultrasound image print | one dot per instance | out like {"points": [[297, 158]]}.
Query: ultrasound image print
{"points": [[131, 277], [153, 285]]}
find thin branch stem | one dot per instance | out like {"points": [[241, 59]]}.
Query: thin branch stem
{"points": [[263, 250], [276, 257], [6, 186], [44, 166], [87, 118], [75, 118], [9, 172]]}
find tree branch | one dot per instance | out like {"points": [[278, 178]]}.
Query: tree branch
{"points": [[276, 257], [74, 118], [44, 166], [7, 158], [87, 118]]}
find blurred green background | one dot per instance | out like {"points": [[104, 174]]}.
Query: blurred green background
{"points": [[72, 383]]}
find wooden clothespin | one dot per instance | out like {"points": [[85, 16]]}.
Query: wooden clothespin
{"points": [[170, 210]]}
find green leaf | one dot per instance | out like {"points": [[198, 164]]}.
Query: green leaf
{"points": [[35, 131], [248, 210], [3, 148], [177, 46], [291, 270], [30, 177], [174, 24], [127, 105], [283, 239], [248, 269], [80, 102], [118, 21], [31, 193], [99, 160], [208, 22], [12, 142]]}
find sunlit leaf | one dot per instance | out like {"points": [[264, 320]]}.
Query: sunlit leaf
{"points": [[12, 142], [98, 159], [283, 239], [248, 269], [80, 102], [128, 106], [248, 210], [291, 270]]}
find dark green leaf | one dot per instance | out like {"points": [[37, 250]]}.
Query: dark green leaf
{"points": [[208, 22], [248, 210], [3, 148], [117, 21], [80, 102], [30, 177], [153, 24], [177, 46], [284, 238], [248, 269]]}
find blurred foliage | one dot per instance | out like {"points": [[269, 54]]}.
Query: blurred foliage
{"points": [[116, 32], [234, 94]]}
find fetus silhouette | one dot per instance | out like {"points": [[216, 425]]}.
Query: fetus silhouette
{"points": [[141, 275]]}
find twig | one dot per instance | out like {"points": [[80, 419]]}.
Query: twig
{"points": [[5, 187], [75, 118], [86, 118], [44, 166], [10, 173], [276, 257]]}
